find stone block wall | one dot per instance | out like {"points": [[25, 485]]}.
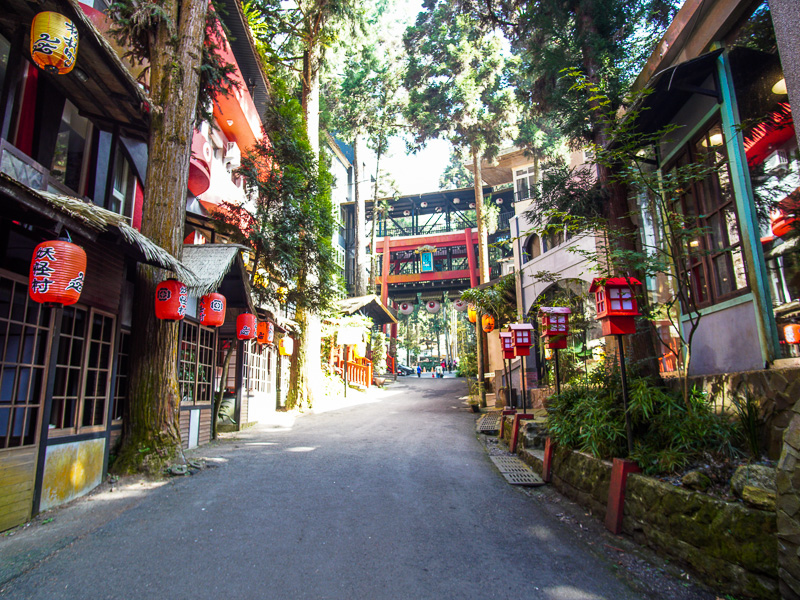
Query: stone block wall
{"points": [[730, 546], [788, 507]]}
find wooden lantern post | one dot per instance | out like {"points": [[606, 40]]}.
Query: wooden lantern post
{"points": [[617, 311], [522, 342], [508, 354], [555, 328]]}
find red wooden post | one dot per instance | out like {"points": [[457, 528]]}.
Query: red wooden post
{"points": [[616, 492], [512, 446], [547, 464], [387, 255]]}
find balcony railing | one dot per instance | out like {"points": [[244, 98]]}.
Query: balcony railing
{"points": [[21, 167]]}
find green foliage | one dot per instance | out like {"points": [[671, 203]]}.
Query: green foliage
{"points": [[455, 83], [378, 352], [498, 300], [135, 26], [289, 228], [668, 436], [455, 175], [750, 422], [467, 364]]}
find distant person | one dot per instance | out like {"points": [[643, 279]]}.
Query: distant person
{"points": [[419, 371], [444, 365]]}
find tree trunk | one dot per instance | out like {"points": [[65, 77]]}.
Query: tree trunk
{"points": [[361, 255], [483, 267], [151, 437], [299, 391], [221, 392]]}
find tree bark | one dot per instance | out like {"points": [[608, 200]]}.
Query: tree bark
{"points": [[483, 268], [361, 255], [151, 437]]}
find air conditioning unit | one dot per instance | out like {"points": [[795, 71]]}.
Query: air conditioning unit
{"points": [[777, 162], [233, 157]]}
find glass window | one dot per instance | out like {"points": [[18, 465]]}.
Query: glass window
{"points": [[196, 363], [124, 186], [713, 255], [71, 146], [83, 370]]}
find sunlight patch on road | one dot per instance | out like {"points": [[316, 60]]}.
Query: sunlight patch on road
{"points": [[541, 533], [302, 449], [261, 444], [568, 592]]}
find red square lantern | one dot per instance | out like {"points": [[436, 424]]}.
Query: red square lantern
{"points": [[265, 332], [616, 305], [523, 338], [508, 344], [555, 326]]}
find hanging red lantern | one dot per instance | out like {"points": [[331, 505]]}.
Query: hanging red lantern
{"points": [[212, 310], [472, 314], [246, 324], [286, 346], [487, 323], [265, 332], [57, 272], [172, 296], [54, 42]]}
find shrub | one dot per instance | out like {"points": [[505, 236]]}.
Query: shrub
{"points": [[668, 434]]}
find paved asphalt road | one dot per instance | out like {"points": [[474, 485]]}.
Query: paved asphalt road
{"points": [[390, 499]]}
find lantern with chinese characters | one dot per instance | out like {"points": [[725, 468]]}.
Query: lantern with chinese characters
{"points": [[57, 272], [265, 332], [555, 326], [522, 340], [286, 346], [172, 296], [460, 305], [212, 310], [54, 43], [487, 323], [246, 326], [405, 308], [616, 306], [472, 314], [791, 333], [432, 306], [507, 343]]}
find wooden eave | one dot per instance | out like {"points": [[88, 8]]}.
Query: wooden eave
{"points": [[109, 94]]}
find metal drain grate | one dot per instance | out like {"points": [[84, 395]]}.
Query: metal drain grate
{"points": [[490, 422], [515, 471]]}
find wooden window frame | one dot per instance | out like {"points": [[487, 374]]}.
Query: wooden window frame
{"points": [[46, 327], [77, 427], [193, 366], [703, 202]]}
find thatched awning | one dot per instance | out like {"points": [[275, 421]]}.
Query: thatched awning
{"points": [[90, 221], [369, 306], [219, 267]]}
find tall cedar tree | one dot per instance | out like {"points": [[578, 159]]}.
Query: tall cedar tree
{"points": [[178, 38], [456, 90], [607, 40]]}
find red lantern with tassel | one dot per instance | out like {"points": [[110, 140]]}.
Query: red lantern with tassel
{"points": [[57, 272], [246, 324], [172, 296], [212, 310]]}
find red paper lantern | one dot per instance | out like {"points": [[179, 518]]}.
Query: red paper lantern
{"points": [[507, 343], [57, 272], [522, 339], [615, 304], [791, 333], [212, 310], [265, 332], [286, 346], [487, 323], [246, 324], [171, 299], [472, 314]]}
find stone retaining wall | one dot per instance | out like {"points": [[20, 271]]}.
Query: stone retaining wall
{"points": [[728, 545]]}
